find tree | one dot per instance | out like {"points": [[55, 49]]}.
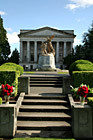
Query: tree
{"points": [[88, 43], [14, 57], [4, 44], [84, 51]]}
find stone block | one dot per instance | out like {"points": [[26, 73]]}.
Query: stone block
{"points": [[8, 120], [24, 84], [67, 81], [82, 121], [46, 62]]}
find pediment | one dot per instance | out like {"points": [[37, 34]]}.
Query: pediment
{"points": [[46, 32]]}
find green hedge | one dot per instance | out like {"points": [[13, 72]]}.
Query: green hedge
{"points": [[90, 101], [13, 66], [0, 100], [9, 73], [85, 77], [81, 65], [9, 77]]}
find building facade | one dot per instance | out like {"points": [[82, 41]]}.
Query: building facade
{"points": [[31, 40]]}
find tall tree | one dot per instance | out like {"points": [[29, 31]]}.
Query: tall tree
{"points": [[84, 51], [88, 43], [14, 57], [4, 44]]}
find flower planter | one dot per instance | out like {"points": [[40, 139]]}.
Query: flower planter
{"points": [[81, 119]]}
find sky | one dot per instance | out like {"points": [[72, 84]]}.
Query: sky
{"points": [[74, 15]]}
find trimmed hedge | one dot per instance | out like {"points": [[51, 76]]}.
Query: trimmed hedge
{"points": [[90, 101], [14, 67], [10, 77], [9, 73], [0, 100], [85, 77], [81, 65]]}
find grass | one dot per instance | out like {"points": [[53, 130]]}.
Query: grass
{"points": [[40, 139], [29, 72], [63, 72]]}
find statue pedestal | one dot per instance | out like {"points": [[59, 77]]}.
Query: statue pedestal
{"points": [[46, 62]]}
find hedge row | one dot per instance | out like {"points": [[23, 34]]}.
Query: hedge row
{"points": [[85, 77], [81, 65], [90, 101], [9, 73], [12, 66]]}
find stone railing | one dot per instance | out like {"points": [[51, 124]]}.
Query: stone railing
{"points": [[8, 118], [23, 83], [82, 123], [67, 81]]}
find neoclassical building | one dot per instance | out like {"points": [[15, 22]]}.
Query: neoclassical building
{"points": [[30, 42]]}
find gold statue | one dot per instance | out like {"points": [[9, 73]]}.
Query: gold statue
{"points": [[47, 47]]}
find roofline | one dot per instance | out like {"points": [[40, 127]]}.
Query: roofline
{"points": [[57, 30]]}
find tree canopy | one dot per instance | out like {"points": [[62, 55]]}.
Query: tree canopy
{"points": [[84, 51], [14, 57], [4, 44]]}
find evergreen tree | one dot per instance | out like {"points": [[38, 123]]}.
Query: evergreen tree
{"points": [[88, 43], [84, 51], [14, 57], [4, 45]]}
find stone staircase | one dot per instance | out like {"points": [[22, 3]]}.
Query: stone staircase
{"points": [[46, 81], [45, 116]]}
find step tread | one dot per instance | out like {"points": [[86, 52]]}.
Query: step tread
{"points": [[62, 96], [43, 124], [45, 134], [44, 101], [46, 83], [41, 81], [41, 114], [43, 107]]}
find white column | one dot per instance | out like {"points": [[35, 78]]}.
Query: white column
{"points": [[21, 51], [35, 51], [57, 52], [28, 51], [64, 49], [71, 46]]}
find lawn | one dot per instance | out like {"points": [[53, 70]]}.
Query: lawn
{"points": [[40, 139]]}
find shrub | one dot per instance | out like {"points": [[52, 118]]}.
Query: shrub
{"points": [[9, 73], [0, 100], [13, 66], [81, 65], [9, 77], [85, 77], [90, 101]]}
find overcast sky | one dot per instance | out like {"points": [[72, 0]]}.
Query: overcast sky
{"points": [[74, 15]]}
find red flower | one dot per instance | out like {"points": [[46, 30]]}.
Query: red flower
{"points": [[3, 86], [83, 91], [8, 94], [6, 89]]}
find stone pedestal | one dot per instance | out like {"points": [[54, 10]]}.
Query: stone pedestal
{"points": [[46, 62], [8, 120]]}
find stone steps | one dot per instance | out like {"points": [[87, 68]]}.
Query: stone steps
{"points": [[44, 108], [45, 81], [43, 116], [57, 97], [43, 102], [44, 125], [43, 134]]}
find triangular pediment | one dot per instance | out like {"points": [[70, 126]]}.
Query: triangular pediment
{"points": [[46, 31]]}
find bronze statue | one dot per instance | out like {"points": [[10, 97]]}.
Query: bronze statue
{"points": [[47, 47]]}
